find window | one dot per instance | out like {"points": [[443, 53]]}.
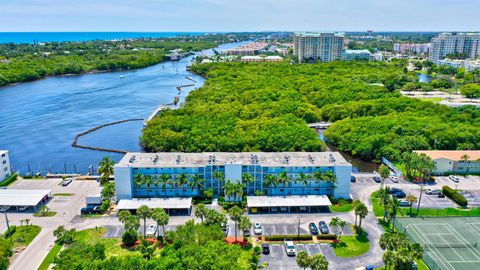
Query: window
{"points": [[5, 169], [4, 162], [3, 155]]}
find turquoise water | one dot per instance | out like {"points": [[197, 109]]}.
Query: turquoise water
{"points": [[30, 37], [38, 120]]}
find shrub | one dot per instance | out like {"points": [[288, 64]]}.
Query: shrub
{"points": [[13, 229], [9, 180], [455, 196], [282, 237], [327, 237], [129, 237], [199, 199], [105, 205]]}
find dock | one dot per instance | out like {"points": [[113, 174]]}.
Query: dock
{"points": [[155, 113], [319, 125]]}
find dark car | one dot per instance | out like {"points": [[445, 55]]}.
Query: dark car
{"points": [[265, 248], [323, 227], [353, 179], [394, 190], [313, 228], [377, 179], [399, 194], [90, 209], [441, 195]]}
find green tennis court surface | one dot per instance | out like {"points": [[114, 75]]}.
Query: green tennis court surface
{"points": [[450, 243]]}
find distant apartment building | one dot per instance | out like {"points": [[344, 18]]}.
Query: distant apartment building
{"points": [[5, 168], [454, 161], [455, 43], [324, 47], [349, 55], [188, 174], [469, 65], [248, 49], [256, 58], [412, 48]]}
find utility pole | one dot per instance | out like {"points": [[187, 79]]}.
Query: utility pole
{"points": [[420, 198], [298, 228], [8, 225]]}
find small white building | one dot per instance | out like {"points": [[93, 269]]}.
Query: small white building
{"points": [[454, 161], [5, 168]]}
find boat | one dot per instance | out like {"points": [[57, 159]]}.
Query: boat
{"points": [[122, 76]]}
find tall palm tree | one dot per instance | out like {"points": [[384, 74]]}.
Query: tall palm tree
{"points": [[161, 218], [228, 189], [138, 181], [411, 199], [165, 180], [237, 191], [319, 262], [384, 195], [269, 180], [384, 174], [331, 178], [148, 182], [200, 211], [105, 169], [247, 179], [303, 179], [303, 260], [182, 181], [144, 212], [244, 224], [284, 179], [361, 211], [393, 211], [235, 214], [318, 176], [197, 183], [220, 179]]}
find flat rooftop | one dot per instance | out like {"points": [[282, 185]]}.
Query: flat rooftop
{"points": [[286, 201], [165, 203], [266, 159], [22, 197]]}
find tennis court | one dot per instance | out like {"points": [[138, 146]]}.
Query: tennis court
{"points": [[450, 243]]}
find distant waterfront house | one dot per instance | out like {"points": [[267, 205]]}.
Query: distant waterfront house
{"points": [[454, 161]]}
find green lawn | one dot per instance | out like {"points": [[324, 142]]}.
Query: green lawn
{"points": [[24, 235], [432, 99], [421, 266], [52, 254], [342, 207], [113, 246], [351, 246], [63, 194]]}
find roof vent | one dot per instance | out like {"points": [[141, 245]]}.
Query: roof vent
{"points": [[178, 159], [132, 159]]}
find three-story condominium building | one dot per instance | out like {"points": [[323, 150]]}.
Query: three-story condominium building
{"points": [[446, 44], [149, 175], [324, 46]]}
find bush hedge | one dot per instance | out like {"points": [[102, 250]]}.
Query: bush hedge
{"points": [[282, 237], [455, 196], [9, 180]]}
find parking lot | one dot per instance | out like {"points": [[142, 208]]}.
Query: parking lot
{"points": [[278, 259], [116, 231]]}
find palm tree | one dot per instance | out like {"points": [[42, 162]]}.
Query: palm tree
{"points": [[384, 173], [146, 249], [284, 179], [228, 189], [244, 225], [465, 158], [319, 262], [303, 260], [182, 181], [148, 182], [161, 218], [105, 169], [338, 224], [393, 210], [269, 180], [144, 212], [235, 214], [354, 204], [138, 180], [200, 211], [237, 191], [331, 178], [362, 211], [411, 199], [384, 195], [197, 183], [164, 181], [318, 176], [220, 179], [124, 215], [247, 179], [388, 259], [303, 179]]}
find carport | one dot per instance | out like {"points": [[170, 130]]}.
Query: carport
{"points": [[173, 206], [288, 204], [24, 197]]}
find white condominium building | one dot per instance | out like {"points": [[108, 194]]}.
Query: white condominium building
{"points": [[323, 46], [5, 169], [455, 43]]}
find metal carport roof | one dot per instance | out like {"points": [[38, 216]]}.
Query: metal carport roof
{"points": [[22, 197], [165, 203], [285, 201]]}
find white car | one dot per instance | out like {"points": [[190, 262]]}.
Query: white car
{"points": [[151, 230], [290, 247], [433, 191], [225, 228], [257, 229], [394, 179], [454, 178]]}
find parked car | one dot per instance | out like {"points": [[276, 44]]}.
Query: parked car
{"points": [[454, 178], [433, 191], [394, 190], [393, 179], [66, 181], [441, 195], [404, 203], [290, 247], [257, 228], [377, 179], [225, 228], [151, 230], [353, 179], [399, 195], [246, 233], [313, 228], [265, 248], [90, 209], [323, 227]]}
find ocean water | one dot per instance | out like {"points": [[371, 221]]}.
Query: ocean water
{"points": [[30, 37]]}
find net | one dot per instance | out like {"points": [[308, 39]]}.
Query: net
{"points": [[456, 245]]}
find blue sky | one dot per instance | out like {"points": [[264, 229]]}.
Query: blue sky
{"points": [[239, 15]]}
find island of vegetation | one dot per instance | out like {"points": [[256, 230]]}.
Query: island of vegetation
{"points": [[266, 106]]}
